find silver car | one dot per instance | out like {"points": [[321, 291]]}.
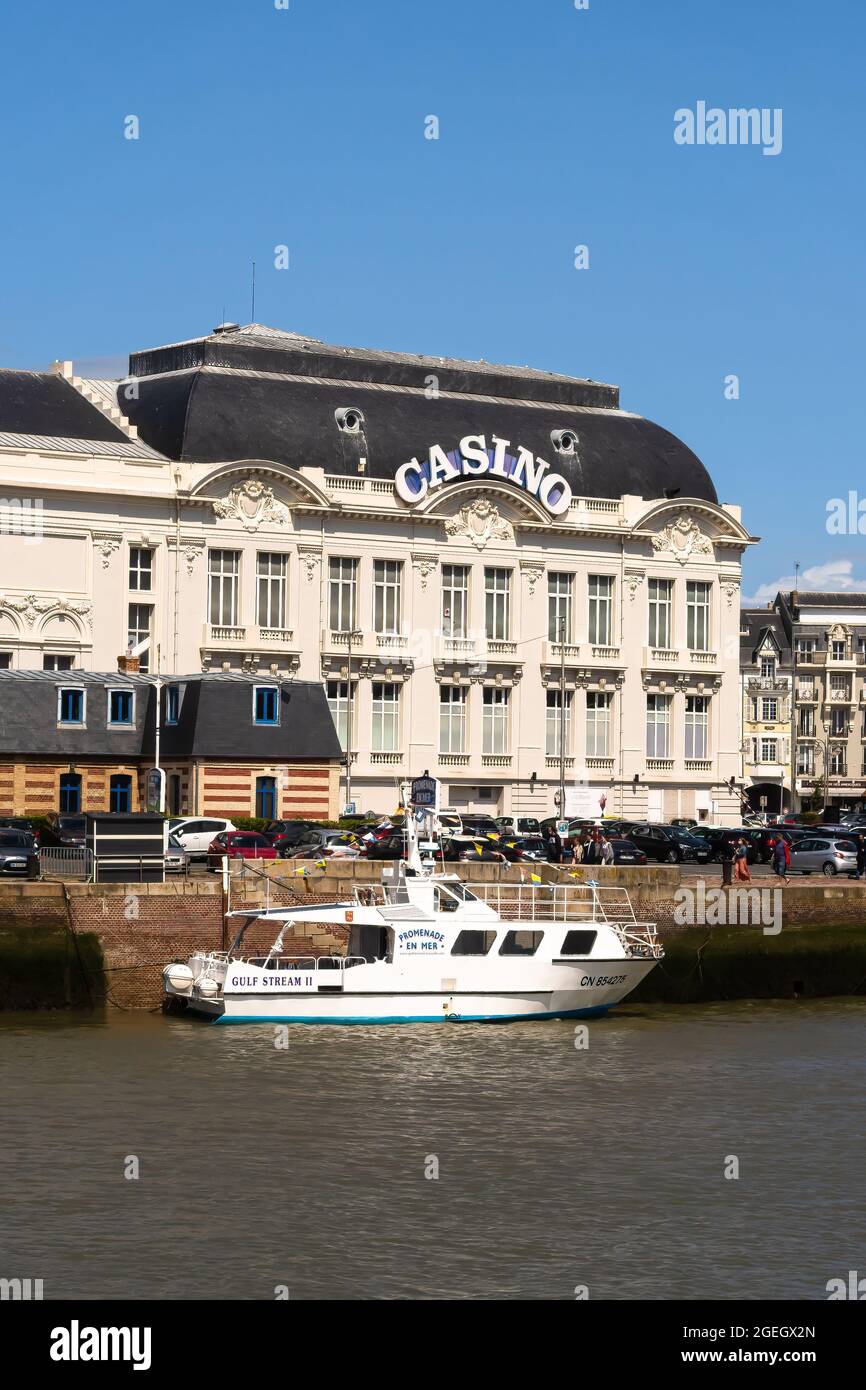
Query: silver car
{"points": [[176, 857], [812, 854]]}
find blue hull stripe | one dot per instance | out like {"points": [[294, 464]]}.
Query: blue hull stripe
{"points": [[595, 1012]]}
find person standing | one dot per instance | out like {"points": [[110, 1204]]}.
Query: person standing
{"points": [[743, 872], [607, 855], [726, 854], [779, 864], [861, 855]]}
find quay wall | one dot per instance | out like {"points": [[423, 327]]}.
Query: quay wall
{"points": [[92, 945]]}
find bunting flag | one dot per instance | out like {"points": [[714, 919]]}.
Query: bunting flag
{"points": [[479, 849], [321, 863], [301, 870], [509, 844], [491, 836], [536, 878]]}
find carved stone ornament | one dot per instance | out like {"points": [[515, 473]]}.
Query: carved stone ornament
{"points": [[310, 557], [107, 545], [532, 573], [425, 565], [730, 588], [33, 606], [253, 505], [683, 539], [634, 579], [480, 522]]}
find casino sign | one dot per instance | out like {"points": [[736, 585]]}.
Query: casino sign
{"points": [[473, 458]]}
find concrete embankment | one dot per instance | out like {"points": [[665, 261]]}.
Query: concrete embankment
{"points": [[89, 945]]}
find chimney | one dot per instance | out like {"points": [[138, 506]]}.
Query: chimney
{"points": [[128, 665]]}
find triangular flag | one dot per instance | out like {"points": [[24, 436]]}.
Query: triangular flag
{"points": [[478, 848], [536, 878]]}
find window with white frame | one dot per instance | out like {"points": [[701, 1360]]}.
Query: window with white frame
{"points": [[559, 607], [271, 569], [71, 705], [837, 760], [658, 712], [342, 587], [138, 633], [598, 706], [555, 730], [838, 649], [697, 726], [600, 601], [140, 568], [768, 749], [768, 667], [497, 590], [494, 727], [455, 600], [698, 615], [769, 710], [805, 647], [121, 707], [661, 601], [805, 759], [806, 722], [342, 709], [838, 723], [452, 719], [224, 567], [387, 575], [386, 717]]}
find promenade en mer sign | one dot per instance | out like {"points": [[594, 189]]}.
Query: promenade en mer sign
{"points": [[474, 458]]}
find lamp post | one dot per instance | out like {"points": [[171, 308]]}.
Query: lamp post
{"points": [[351, 634], [562, 717]]}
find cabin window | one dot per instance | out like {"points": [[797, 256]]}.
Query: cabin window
{"points": [[521, 943], [473, 943], [578, 943]]}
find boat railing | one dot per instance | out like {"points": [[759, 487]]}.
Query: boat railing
{"points": [[560, 902]]}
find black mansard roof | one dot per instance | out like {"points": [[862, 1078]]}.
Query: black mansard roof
{"points": [[260, 393], [215, 718]]}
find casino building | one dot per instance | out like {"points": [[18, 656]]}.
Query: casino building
{"points": [[493, 571]]}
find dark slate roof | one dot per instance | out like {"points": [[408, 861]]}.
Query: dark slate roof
{"points": [[43, 403], [759, 621], [257, 393], [216, 719]]}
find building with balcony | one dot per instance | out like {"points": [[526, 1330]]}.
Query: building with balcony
{"points": [[496, 574], [815, 646]]}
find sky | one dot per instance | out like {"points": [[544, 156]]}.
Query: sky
{"points": [[306, 127]]}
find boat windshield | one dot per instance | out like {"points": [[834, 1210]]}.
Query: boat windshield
{"points": [[456, 890]]}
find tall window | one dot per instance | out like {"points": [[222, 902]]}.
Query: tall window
{"points": [[224, 567], [806, 722], [140, 568], [658, 710], [452, 719], [769, 750], [266, 704], [386, 596], [172, 704], [174, 793], [266, 797], [455, 600], [769, 710], [837, 650], [600, 609], [559, 607], [697, 726], [271, 589], [598, 703], [494, 727], [138, 635], [698, 616], [120, 794], [661, 597], [386, 717], [768, 667], [497, 584], [554, 725], [805, 759], [837, 760], [838, 723], [70, 793], [342, 583], [339, 704]]}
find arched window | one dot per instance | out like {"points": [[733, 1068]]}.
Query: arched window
{"points": [[70, 793], [120, 793], [266, 798]]}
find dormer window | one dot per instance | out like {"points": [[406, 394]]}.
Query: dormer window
{"points": [[70, 705], [266, 706], [172, 704], [768, 667], [121, 704], [838, 650]]}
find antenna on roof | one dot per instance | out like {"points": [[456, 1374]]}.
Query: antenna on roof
{"points": [[253, 304]]}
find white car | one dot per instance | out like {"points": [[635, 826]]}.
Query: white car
{"points": [[195, 834]]}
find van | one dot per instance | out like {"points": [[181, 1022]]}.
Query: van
{"points": [[519, 825]]}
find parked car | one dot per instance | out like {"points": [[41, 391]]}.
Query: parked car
{"points": [[196, 834], [667, 844], [471, 849], [176, 858], [627, 852], [484, 826], [62, 829], [684, 822], [520, 849], [19, 823], [823, 854], [717, 836], [285, 833], [388, 847], [322, 843], [18, 853], [519, 825], [238, 844]]}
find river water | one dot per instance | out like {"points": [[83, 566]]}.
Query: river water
{"points": [[263, 1168]]}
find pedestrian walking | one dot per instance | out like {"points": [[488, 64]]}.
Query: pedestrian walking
{"points": [[607, 855], [861, 855], [743, 873]]}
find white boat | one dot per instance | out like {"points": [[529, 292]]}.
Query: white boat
{"points": [[425, 947]]}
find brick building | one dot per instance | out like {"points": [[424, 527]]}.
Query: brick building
{"points": [[230, 744]]}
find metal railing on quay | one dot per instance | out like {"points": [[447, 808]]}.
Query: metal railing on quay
{"points": [[66, 862]]}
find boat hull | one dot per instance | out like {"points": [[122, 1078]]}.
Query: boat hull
{"points": [[458, 1006]]}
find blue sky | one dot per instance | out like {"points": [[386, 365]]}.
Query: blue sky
{"points": [[305, 127]]}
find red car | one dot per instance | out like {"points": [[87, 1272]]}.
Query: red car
{"points": [[239, 844]]}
